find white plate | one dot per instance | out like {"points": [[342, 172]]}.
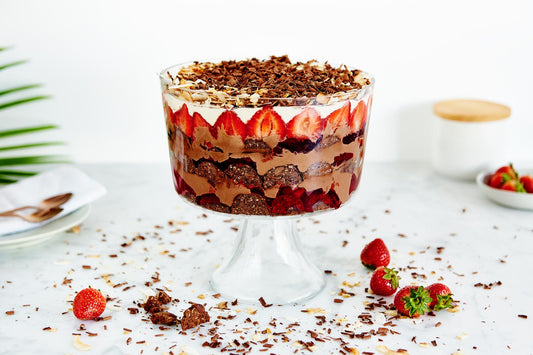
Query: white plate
{"points": [[523, 201], [39, 235]]}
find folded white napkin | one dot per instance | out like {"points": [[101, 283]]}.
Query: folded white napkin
{"points": [[33, 190]]}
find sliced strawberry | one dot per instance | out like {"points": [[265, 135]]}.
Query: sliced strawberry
{"points": [[230, 123], [316, 200], [183, 120], [306, 125], [199, 121], [354, 182], [264, 123], [338, 118], [207, 199], [527, 182], [358, 117], [287, 204]]}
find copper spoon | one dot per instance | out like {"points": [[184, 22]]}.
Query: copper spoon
{"points": [[36, 217], [47, 204]]}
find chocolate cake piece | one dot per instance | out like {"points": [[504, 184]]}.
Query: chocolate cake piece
{"points": [[319, 169], [163, 297], [250, 204], [152, 305], [218, 207], [286, 175], [245, 175], [209, 171], [328, 142], [163, 317], [194, 316], [348, 166], [256, 145], [188, 165]]}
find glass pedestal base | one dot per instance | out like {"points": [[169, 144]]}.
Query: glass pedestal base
{"points": [[268, 262]]}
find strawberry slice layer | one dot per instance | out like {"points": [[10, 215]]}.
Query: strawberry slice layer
{"points": [[183, 120], [264, 123], [339, 117], [230, 123], [306, 125], [358, 117], [199, 121]]}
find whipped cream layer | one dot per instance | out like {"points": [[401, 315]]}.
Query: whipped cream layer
{"points": [[211, 113]]}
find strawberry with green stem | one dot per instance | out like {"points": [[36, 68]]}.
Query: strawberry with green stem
{"points": [[412, 301], [441, 296], [384, 281]]}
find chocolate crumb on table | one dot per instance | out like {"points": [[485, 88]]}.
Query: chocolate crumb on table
{"points": [[163, 317], [194, 316]]}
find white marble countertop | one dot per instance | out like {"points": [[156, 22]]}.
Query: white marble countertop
{"points": [[413, 210]]}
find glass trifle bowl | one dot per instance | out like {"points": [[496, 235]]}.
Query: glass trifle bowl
{"points": [[270, 141]]}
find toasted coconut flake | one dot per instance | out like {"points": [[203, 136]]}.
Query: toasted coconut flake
{"points": [[81, 346], [462, 336], [384, 350]]}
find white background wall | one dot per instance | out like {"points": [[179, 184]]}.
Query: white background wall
{"points": [[99, 60]]}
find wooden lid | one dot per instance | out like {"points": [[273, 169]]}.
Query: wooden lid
{"points": [[471, 110]]}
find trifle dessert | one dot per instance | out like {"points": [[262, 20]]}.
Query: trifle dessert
{"points": [[266, 137]]}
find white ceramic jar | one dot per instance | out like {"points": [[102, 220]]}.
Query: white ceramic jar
{"points": [[469, 136]]}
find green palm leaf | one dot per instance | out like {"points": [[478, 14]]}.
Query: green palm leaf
{"points": [[20, 88], [7, 173], [22, 101]]}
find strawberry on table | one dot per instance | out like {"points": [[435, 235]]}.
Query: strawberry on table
{"points": [[306, 125], [527, 182], [183, 120], [384, 281], [441, 296], [264, 123], [338, 118], [230, 123], [375, 254], [358, 117], [412, 301], [88, 304]]}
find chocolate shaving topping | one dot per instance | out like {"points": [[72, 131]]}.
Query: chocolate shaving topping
{"points": [[274, 81]]}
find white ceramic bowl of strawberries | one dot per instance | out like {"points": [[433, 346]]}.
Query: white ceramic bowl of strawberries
{"points": [[510, 186]]}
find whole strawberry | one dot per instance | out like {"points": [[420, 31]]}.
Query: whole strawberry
{"points": [[498, 179], [384, 281], [509, 170], [527, 182], [88, 304], [412, 301], [441, 296], [375, 254], [513, 185]]}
